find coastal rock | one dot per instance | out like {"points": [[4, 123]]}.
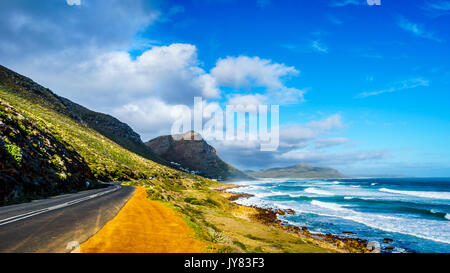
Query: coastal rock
{"points": [[374, 247], [387, 240], [280, 212], [236, 196], [290, 211]]}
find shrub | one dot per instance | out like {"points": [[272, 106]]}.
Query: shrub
{"points": [[192, 201], [241, 245], [15, 152], [211, 202], [154, 194]]}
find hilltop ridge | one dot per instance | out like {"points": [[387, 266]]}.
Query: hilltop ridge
{"points": [[301, 170]]}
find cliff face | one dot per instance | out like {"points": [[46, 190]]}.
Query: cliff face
{"points": [[298, 171], [106, 125], [194, 156], [34, 163]]}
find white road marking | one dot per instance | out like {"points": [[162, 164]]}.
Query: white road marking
{"points": [[36, 212]]}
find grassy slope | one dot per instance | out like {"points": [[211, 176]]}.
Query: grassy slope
{"points": [[107, 160], [214, 219]]}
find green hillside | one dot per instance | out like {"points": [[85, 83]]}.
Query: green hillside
{"points": [[107, 160]]}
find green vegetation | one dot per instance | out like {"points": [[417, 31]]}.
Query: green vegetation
{"points": [[14, 151]]}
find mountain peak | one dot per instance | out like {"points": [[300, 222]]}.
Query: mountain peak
{"points": [[191, 135], [190, 152]]}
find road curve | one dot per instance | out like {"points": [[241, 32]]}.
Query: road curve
{"points": [[50, 225]]}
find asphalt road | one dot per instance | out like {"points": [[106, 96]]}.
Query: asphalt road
{"points": [[59, 223]]}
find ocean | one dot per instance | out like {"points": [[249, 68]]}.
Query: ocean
{"points": [[413, 212]]}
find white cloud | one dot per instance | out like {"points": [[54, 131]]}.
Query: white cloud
{"points": [[343, 3], [244, 71], [295, 140], [252, 72], [256, 99], [328, 142], [151, 117], [32, 29], [299, 136], [416, 29], [319, 47], [398, 86], [333, 19], [437, 7], [170, 73], [342, 158], [330, 123], [73, 2]]}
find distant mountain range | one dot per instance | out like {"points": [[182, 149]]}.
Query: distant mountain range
{"points": [[194, 156], [297, 171]]}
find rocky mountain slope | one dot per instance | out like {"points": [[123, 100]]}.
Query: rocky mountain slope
{"points": [[297, 171], [195, 156], [106, 125], [36, 163]]}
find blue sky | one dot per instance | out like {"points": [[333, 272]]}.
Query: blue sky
{"points": [[364, 89]]}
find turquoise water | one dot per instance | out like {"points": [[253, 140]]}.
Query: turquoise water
{"points": [[414, 212]]}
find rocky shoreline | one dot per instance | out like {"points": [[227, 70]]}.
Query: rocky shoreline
{"points": [[270, 217]]}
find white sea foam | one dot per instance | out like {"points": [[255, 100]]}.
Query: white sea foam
{"points": [[281, 206], [355, 186], [424, 194], [348, 197], [295, 195], [436, 230], [317, 191], [373, 184], [328, 205], [447, 216], [267, 194]]}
